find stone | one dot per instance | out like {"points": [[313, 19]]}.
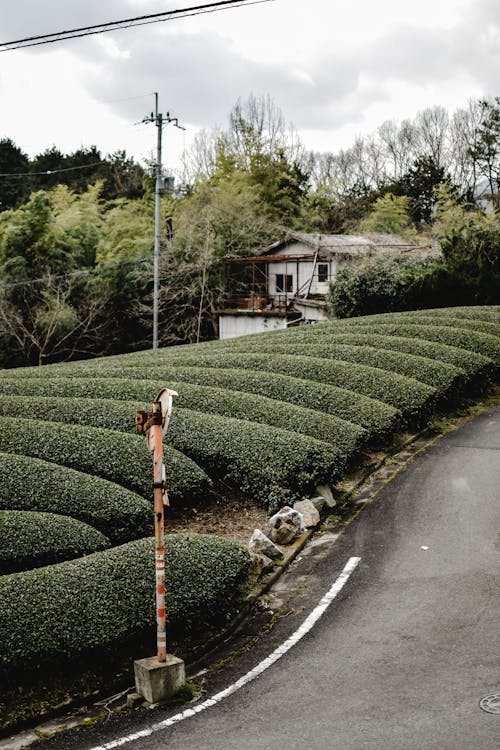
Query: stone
{"points": [[158, 681], [326, 491], [318, 502], [260, 563], [134, 700], [259, 542], [282, 532], [308, 511], [285, 525]]}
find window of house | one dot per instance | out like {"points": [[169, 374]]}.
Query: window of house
{"points": [[284, 283], [322, 272]]}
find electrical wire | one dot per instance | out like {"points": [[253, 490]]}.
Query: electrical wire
{"points": [[126, 23], [82, 272], [51, 171]]}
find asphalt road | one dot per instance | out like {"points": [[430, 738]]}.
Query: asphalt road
{"points": [[403, 656]]}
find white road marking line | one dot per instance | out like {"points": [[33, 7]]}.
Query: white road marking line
{"points": [[306, 626]]}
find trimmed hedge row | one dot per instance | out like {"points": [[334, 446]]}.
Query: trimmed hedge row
{"points": [[440, 375], [376, 418], [115, 415], [470, 364], [28, 483], [99, 602], [430, 318], [115, 456], [30, 540], [270, 464], [405, 394], [489, 313], [258, 458], [481, 343]]}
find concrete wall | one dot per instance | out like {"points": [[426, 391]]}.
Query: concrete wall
{"points": [[231, 326]]}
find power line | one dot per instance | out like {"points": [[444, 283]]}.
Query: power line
{"points": [[82, 272], [126, 23], [51, 171]]}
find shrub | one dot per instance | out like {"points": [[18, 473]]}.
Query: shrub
{"points": [[265, 462], [372, 416], [405, 394], [385, 284], [30, 540], [99, 602], [115, 415], [472, 256], [442, 376], [28, 483], [470, 364], [123, 459], [488, 313], [480, 343], [433, 318]]}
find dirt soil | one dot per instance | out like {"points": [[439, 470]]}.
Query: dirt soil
{"points": [[222, 515]]}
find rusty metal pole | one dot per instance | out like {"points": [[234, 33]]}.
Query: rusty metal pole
{"points": [[161, 619]]}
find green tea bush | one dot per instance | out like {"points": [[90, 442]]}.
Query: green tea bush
{"points": [[115, 415], [97, 603], [443, 377], [120, 458], [433, 318], [480, 343], [484, 312], [270, 464], [30, 540], [373, 417], [470, 364], [405, 394], [32, 484]]}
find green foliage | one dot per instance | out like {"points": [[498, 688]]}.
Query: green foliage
{"points": [[437, 374], [462, 337], [420, 184], [12, 161], [30, 540], [32, 484], [257, 458], [99, 602], [364, 413], [385, 284], [273, 465], [123, 459], [389, 215], [472, 256], [470, 365], [433, 317], [115, 415], [405, 394]]}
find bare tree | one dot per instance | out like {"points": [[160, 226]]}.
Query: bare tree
{"points": [[44, 325], [432, 127]]}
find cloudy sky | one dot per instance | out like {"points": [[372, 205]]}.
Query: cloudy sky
{"points": [[336, 68]]}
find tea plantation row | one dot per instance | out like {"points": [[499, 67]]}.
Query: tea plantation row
{"points": [[274, 415]]}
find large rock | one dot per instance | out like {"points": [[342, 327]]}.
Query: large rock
{"points": [[318, 502], [326, 491], [259, 542], [260, 563], [285, 525], [308, 512]]}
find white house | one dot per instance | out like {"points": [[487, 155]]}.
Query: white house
{"points": [[286, 284]]}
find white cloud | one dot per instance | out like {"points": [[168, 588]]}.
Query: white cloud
{"points": [[331, 69]]}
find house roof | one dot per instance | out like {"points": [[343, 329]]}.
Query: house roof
{"points": [[339, 244]]}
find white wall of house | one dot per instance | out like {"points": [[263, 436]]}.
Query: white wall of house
{"points": [[231, 326], [301, 272]]}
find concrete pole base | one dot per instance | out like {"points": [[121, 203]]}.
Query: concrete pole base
{"points": [[158, 681]]}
